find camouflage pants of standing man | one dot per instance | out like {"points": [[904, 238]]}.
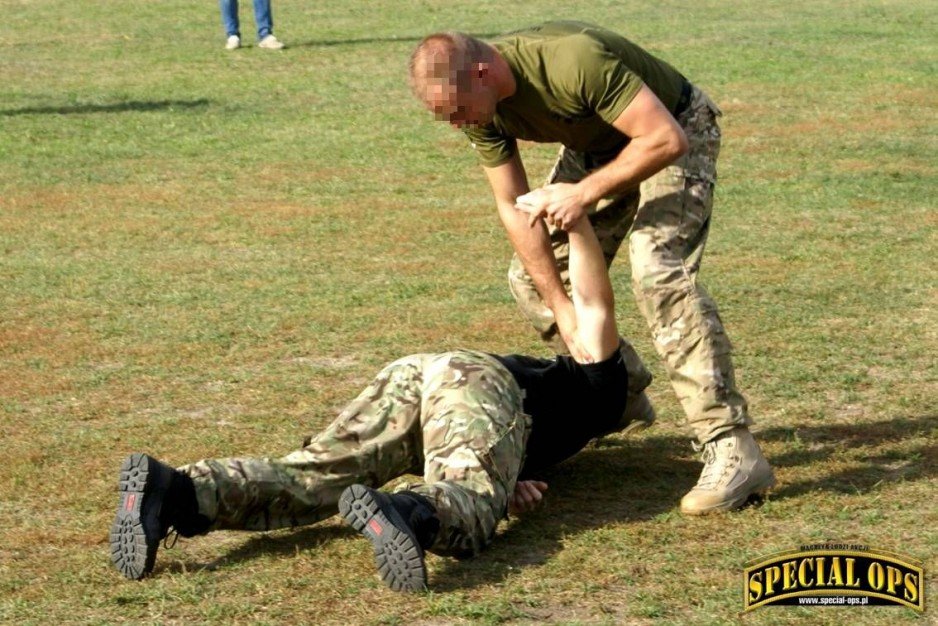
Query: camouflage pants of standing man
{"points": [[456, 417], [667, 222]]}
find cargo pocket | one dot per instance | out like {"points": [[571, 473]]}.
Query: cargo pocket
{"points": [[503, 459]]}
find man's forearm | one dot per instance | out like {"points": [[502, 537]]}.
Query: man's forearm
{"points": [[640, 159], [532, 244]]}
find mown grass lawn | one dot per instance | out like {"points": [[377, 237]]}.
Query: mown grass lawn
{"points": [[206, 253]]}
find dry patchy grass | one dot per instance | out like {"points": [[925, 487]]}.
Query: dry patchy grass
{"points": [[207, 255]]}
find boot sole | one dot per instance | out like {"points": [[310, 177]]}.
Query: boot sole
{"points": [[131, 552], [398, 556], [754, 494], [643, 421], [637, 426]]}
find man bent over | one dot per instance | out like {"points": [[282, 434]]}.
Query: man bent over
{"points": [[639, 144]]}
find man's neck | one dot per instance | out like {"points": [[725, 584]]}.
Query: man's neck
{"points": [[505, 85]]}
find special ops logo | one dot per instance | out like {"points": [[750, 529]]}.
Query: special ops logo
{"points": [[835, 575]]}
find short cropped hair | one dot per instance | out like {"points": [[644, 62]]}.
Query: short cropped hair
{"points": [[446, 58]]}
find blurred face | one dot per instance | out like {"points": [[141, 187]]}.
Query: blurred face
{"points": [[462, 103]]}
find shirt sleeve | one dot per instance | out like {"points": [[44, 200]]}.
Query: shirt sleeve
{"points": [[604, 387], [492, 147], [607, 85]]}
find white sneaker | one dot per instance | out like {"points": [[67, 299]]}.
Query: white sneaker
{"points": [[734, 469], [271, 43], [233, 43]]}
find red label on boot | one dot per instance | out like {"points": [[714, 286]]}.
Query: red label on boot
{"points": [[129, 504], [375, 526]]}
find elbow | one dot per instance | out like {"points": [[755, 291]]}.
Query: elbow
{"points": [[676, 144], [509, 216], [596, 302]]}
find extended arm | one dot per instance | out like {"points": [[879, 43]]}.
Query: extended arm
{"points": [[532, 243], [593, 299], [593, 302]]}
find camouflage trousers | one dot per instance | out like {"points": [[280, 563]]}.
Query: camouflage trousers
{"points": [[667, 221], [455, 417]]}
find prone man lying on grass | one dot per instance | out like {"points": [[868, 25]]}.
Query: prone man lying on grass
{"points": [[477, 426]]}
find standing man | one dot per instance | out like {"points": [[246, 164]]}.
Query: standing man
{"points": [[639, 153], [263, 18]]}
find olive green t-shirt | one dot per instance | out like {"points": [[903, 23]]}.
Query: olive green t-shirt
{"points": [[573, 80]]}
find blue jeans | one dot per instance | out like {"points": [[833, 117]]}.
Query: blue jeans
{"points": [[262, 16]]}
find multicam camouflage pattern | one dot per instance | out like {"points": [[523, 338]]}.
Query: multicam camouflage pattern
{"points": [[667, 222], [456, 417]]}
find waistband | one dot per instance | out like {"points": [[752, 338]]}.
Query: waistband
{"points": [[684, 100]]}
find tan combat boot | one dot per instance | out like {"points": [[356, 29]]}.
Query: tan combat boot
{"points": [[734, 469]]}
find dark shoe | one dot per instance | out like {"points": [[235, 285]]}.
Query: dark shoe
{"points": [[153, 498], [399, 526], [137, 529]]}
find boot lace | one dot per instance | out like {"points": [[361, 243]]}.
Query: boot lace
{"points": [[712, 471]]}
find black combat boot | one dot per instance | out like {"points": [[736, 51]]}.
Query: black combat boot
{"points": [[400, 526], [153, 498]]}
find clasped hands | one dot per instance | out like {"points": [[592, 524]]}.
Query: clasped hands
{"points": [[560, 204]]}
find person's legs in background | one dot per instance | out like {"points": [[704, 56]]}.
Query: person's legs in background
{"points": [[229, 20]]}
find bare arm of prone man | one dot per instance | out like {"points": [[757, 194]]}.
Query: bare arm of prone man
{"points": [[590, 315], [529, 237], [593, 300], [597, 335]]}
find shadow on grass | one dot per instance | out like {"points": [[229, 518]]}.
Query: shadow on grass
{"points": [[635, 480], [620, 481], [117, 107], [287, 545], [889, 460], [613, 482], [319, 43]]}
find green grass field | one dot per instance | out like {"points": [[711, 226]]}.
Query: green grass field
{"points": [[206, 253]]}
